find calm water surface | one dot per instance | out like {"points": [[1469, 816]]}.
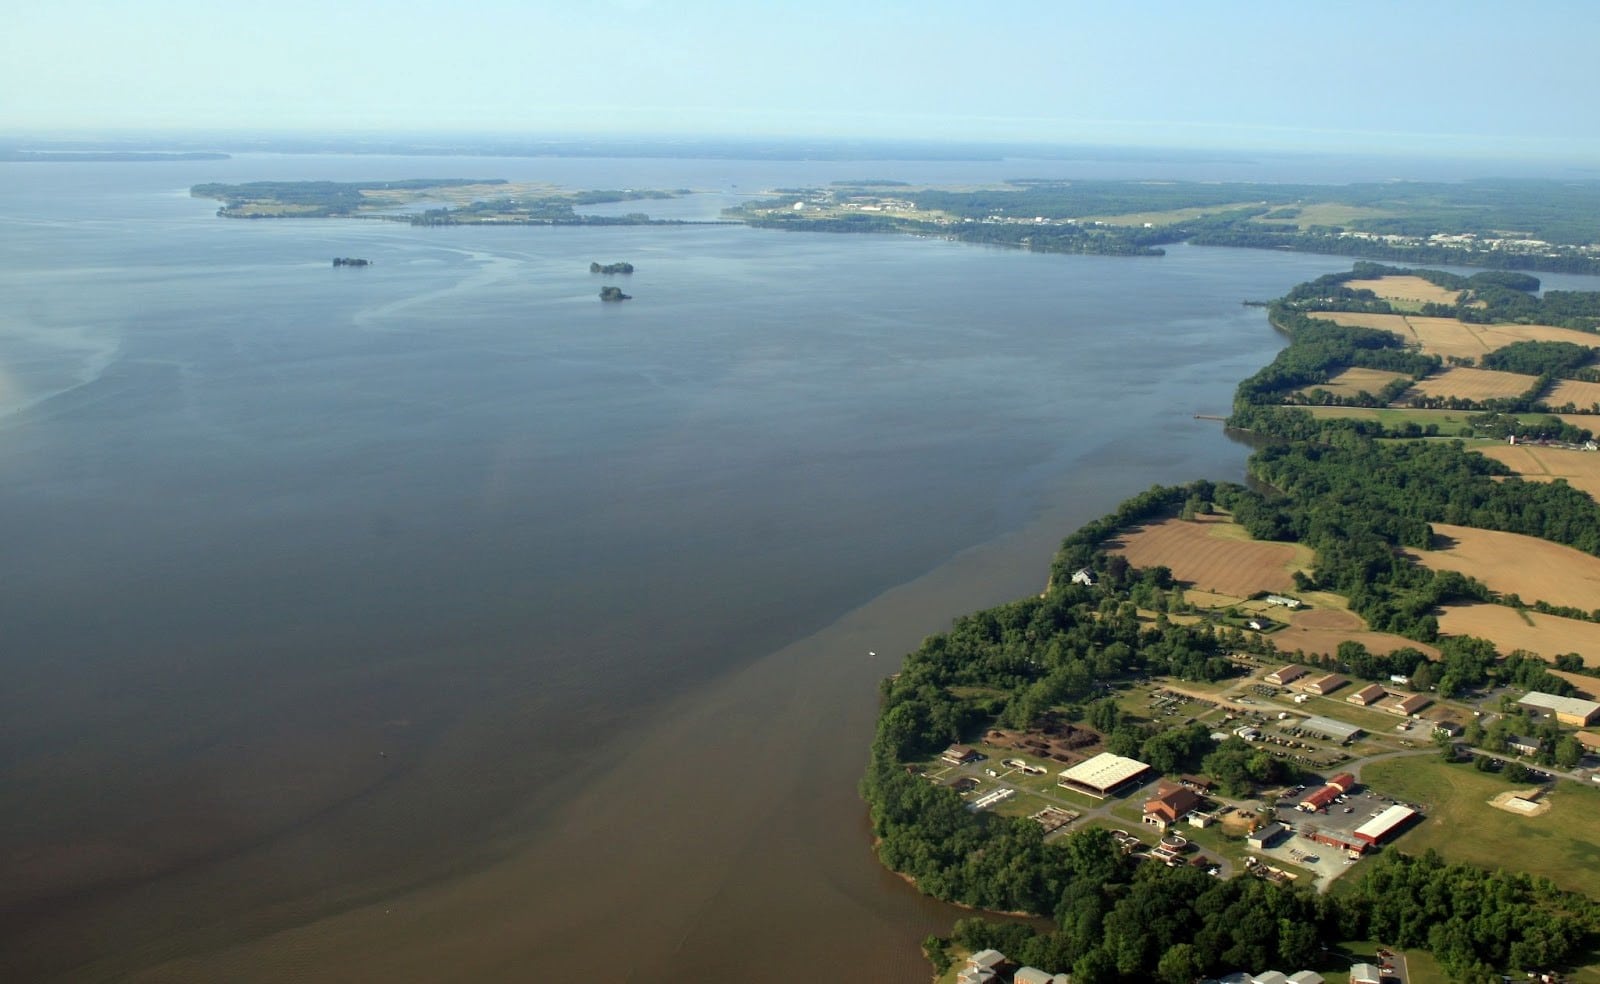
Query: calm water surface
{"points": [[436, 621]]}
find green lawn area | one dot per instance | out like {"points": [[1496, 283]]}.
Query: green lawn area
{"points": [[1449, 421], [1021, 805], [1562, 845]]}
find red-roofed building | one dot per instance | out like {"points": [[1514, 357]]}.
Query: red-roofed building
{"points": [[1319, 799], [1170, 804], [1336, 787]]}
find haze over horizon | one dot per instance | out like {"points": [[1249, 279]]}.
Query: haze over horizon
{"points": [[1473, 79]]}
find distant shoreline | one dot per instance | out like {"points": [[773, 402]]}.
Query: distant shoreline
{"points": [[107, 156]]}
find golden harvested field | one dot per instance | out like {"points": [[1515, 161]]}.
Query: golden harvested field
{"points": [[1395, 323], [1581, 469], [1510, 563], [1547, 635], [1448, 336], [1353, 381], [1499, 336], [1406, 289], [1584, 396], [1321, 630], [1472, 384], [1212, 554], [1586, 685]]}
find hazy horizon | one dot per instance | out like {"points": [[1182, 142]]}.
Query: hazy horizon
{"points": [[1465, 79]]}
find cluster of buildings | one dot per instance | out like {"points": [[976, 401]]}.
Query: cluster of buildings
{"points": [[1376, 695], [986, 966], [1470, 243], [1321, 685]]}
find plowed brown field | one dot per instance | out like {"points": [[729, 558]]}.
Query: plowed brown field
{"points": [[1448, 336], [1211, 554], [1548, 636], [1584, 396], [1580, 469], [1472, 384], [1510, 563], [1406, 289], [1352, 382], [1321, 631], [1383, 322]]}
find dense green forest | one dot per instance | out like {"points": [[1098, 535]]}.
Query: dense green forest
{"points": [[1358, 499]]}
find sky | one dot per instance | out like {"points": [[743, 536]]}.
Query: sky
{"points": [[1464, 77]]}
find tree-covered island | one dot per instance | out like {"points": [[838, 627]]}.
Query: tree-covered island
{"points": [[1292, 725], [457, 201]]}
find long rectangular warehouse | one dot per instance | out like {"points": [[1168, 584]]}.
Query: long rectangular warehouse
{"points": [[1330, 728], [1385, 823], [1568, 710]]}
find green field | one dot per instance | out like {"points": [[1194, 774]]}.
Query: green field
{"points": [[1562, 845], [1449, 421], [1167, 217]]}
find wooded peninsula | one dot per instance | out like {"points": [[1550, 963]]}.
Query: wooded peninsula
{"points": [[1509, 224], [1501, 224], [1301, 691]]}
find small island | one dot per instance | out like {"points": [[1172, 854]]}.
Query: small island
{"points": [[610, 268], [614, 294], [351, 261]]}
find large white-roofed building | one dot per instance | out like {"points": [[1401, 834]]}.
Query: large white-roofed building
{"points": [[1330, 728], [1568, 710], [1102, 775], [1384, 824]]}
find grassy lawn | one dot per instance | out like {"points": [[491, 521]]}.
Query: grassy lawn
{"points": [[1449, 421], [1021, 805], [1562, 845]]}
